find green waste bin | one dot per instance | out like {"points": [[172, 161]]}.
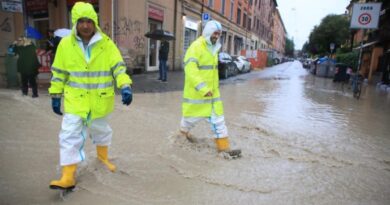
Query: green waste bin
{"points": [[11, 71]]}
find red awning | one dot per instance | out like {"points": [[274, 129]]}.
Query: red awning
{"points": [[156, 13], [36, 6]]}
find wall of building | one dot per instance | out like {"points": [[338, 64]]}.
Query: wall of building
{"points": [[10, 30], [278, 41], [126, 24], [130, 25]]}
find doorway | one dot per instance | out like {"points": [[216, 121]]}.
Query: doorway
{"points": [[41, 25], [153, 46]]}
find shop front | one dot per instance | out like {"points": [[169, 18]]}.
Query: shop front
{"points": [[155, 21]]}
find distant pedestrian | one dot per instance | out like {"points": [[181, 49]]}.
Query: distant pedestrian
{"points": [[163, 57], [27, 64], [201, 96], [50, 40], [52, 44], [349, 73]]}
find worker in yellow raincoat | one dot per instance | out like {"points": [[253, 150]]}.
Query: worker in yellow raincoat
{"points": [[86, 65], [201, 97]]}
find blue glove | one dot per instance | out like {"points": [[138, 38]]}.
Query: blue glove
{"points": [[56, 105], [127, 95]]}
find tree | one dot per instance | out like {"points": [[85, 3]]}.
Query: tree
{"points": [[289, 48], [333, 29]]}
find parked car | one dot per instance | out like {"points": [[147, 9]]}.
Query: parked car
{"points": [[306, 63], [242, 63], [226, 66]]}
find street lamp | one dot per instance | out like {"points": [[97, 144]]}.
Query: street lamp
{"points": [[332, 45]]}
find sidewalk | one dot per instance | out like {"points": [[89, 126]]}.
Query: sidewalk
{"points": [[142, 83], [147, 82]]}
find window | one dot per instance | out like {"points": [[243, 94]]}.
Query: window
{"points": [[211, 3], [223, 38], [238, 16], [229, 49], [244, 20], [189, 37], [249, 23], [223, 7], [231, 9]]}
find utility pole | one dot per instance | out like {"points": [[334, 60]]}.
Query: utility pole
{"points": [[25, 17], [201, 13], [174, 33]]}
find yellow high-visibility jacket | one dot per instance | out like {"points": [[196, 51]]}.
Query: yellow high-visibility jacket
{"points": [[201, 76], [88, 87]]}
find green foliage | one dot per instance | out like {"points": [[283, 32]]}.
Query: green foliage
{"points": [[350, 59], [344, 49], [289, 48], [270, 62], [333, 29]]}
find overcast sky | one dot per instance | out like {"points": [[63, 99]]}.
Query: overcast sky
{"points": [[300, 16]]}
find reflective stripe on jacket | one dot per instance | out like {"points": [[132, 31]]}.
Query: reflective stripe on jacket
{"points": [[201, 76], [88, 87]]}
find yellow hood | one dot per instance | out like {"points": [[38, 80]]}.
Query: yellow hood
{"points": [[84, 10]]}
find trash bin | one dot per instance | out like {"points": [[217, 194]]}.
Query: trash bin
{"points": [[325, 69], [11, 71]]}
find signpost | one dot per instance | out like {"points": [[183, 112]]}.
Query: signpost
{"points": [[365, 15], [205, 17], [331, 46]]}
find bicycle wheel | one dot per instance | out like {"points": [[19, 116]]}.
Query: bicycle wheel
{"points": [[358, 89]]}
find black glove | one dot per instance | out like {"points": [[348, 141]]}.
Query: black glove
{"points": [[127, 95], [56, 105]]}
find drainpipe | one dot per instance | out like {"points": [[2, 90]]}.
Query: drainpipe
{"points": [[174, 32], [25, 17], [351, 40], [112, 19], [201, 20]]}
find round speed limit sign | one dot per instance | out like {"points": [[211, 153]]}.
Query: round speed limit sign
{"points": [[364, 18]]}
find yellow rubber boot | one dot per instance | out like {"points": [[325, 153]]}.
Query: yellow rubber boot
{"points": [[102, 154], [67, 180], [223, 145]]}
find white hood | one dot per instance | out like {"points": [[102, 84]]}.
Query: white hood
{"points": [[211, 27]]}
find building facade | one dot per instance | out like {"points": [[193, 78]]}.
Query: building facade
{"points": [[279, 34], [247, 25]]}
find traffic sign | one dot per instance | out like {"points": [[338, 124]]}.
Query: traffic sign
{"points": [[365, 15], [206, 17], [364, 18], [12, 6]]}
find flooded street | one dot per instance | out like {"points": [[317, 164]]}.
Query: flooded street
{"points": [[325, 146], [305, 140]]}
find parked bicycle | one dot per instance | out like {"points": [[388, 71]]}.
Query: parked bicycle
{"points": [[357, 82]]}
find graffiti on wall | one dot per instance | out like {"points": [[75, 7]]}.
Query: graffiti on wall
{"points": [[106, 28], [139, 42], [129, 39], [126, 26], [7, 32], [128, 32], [5, 25]]}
